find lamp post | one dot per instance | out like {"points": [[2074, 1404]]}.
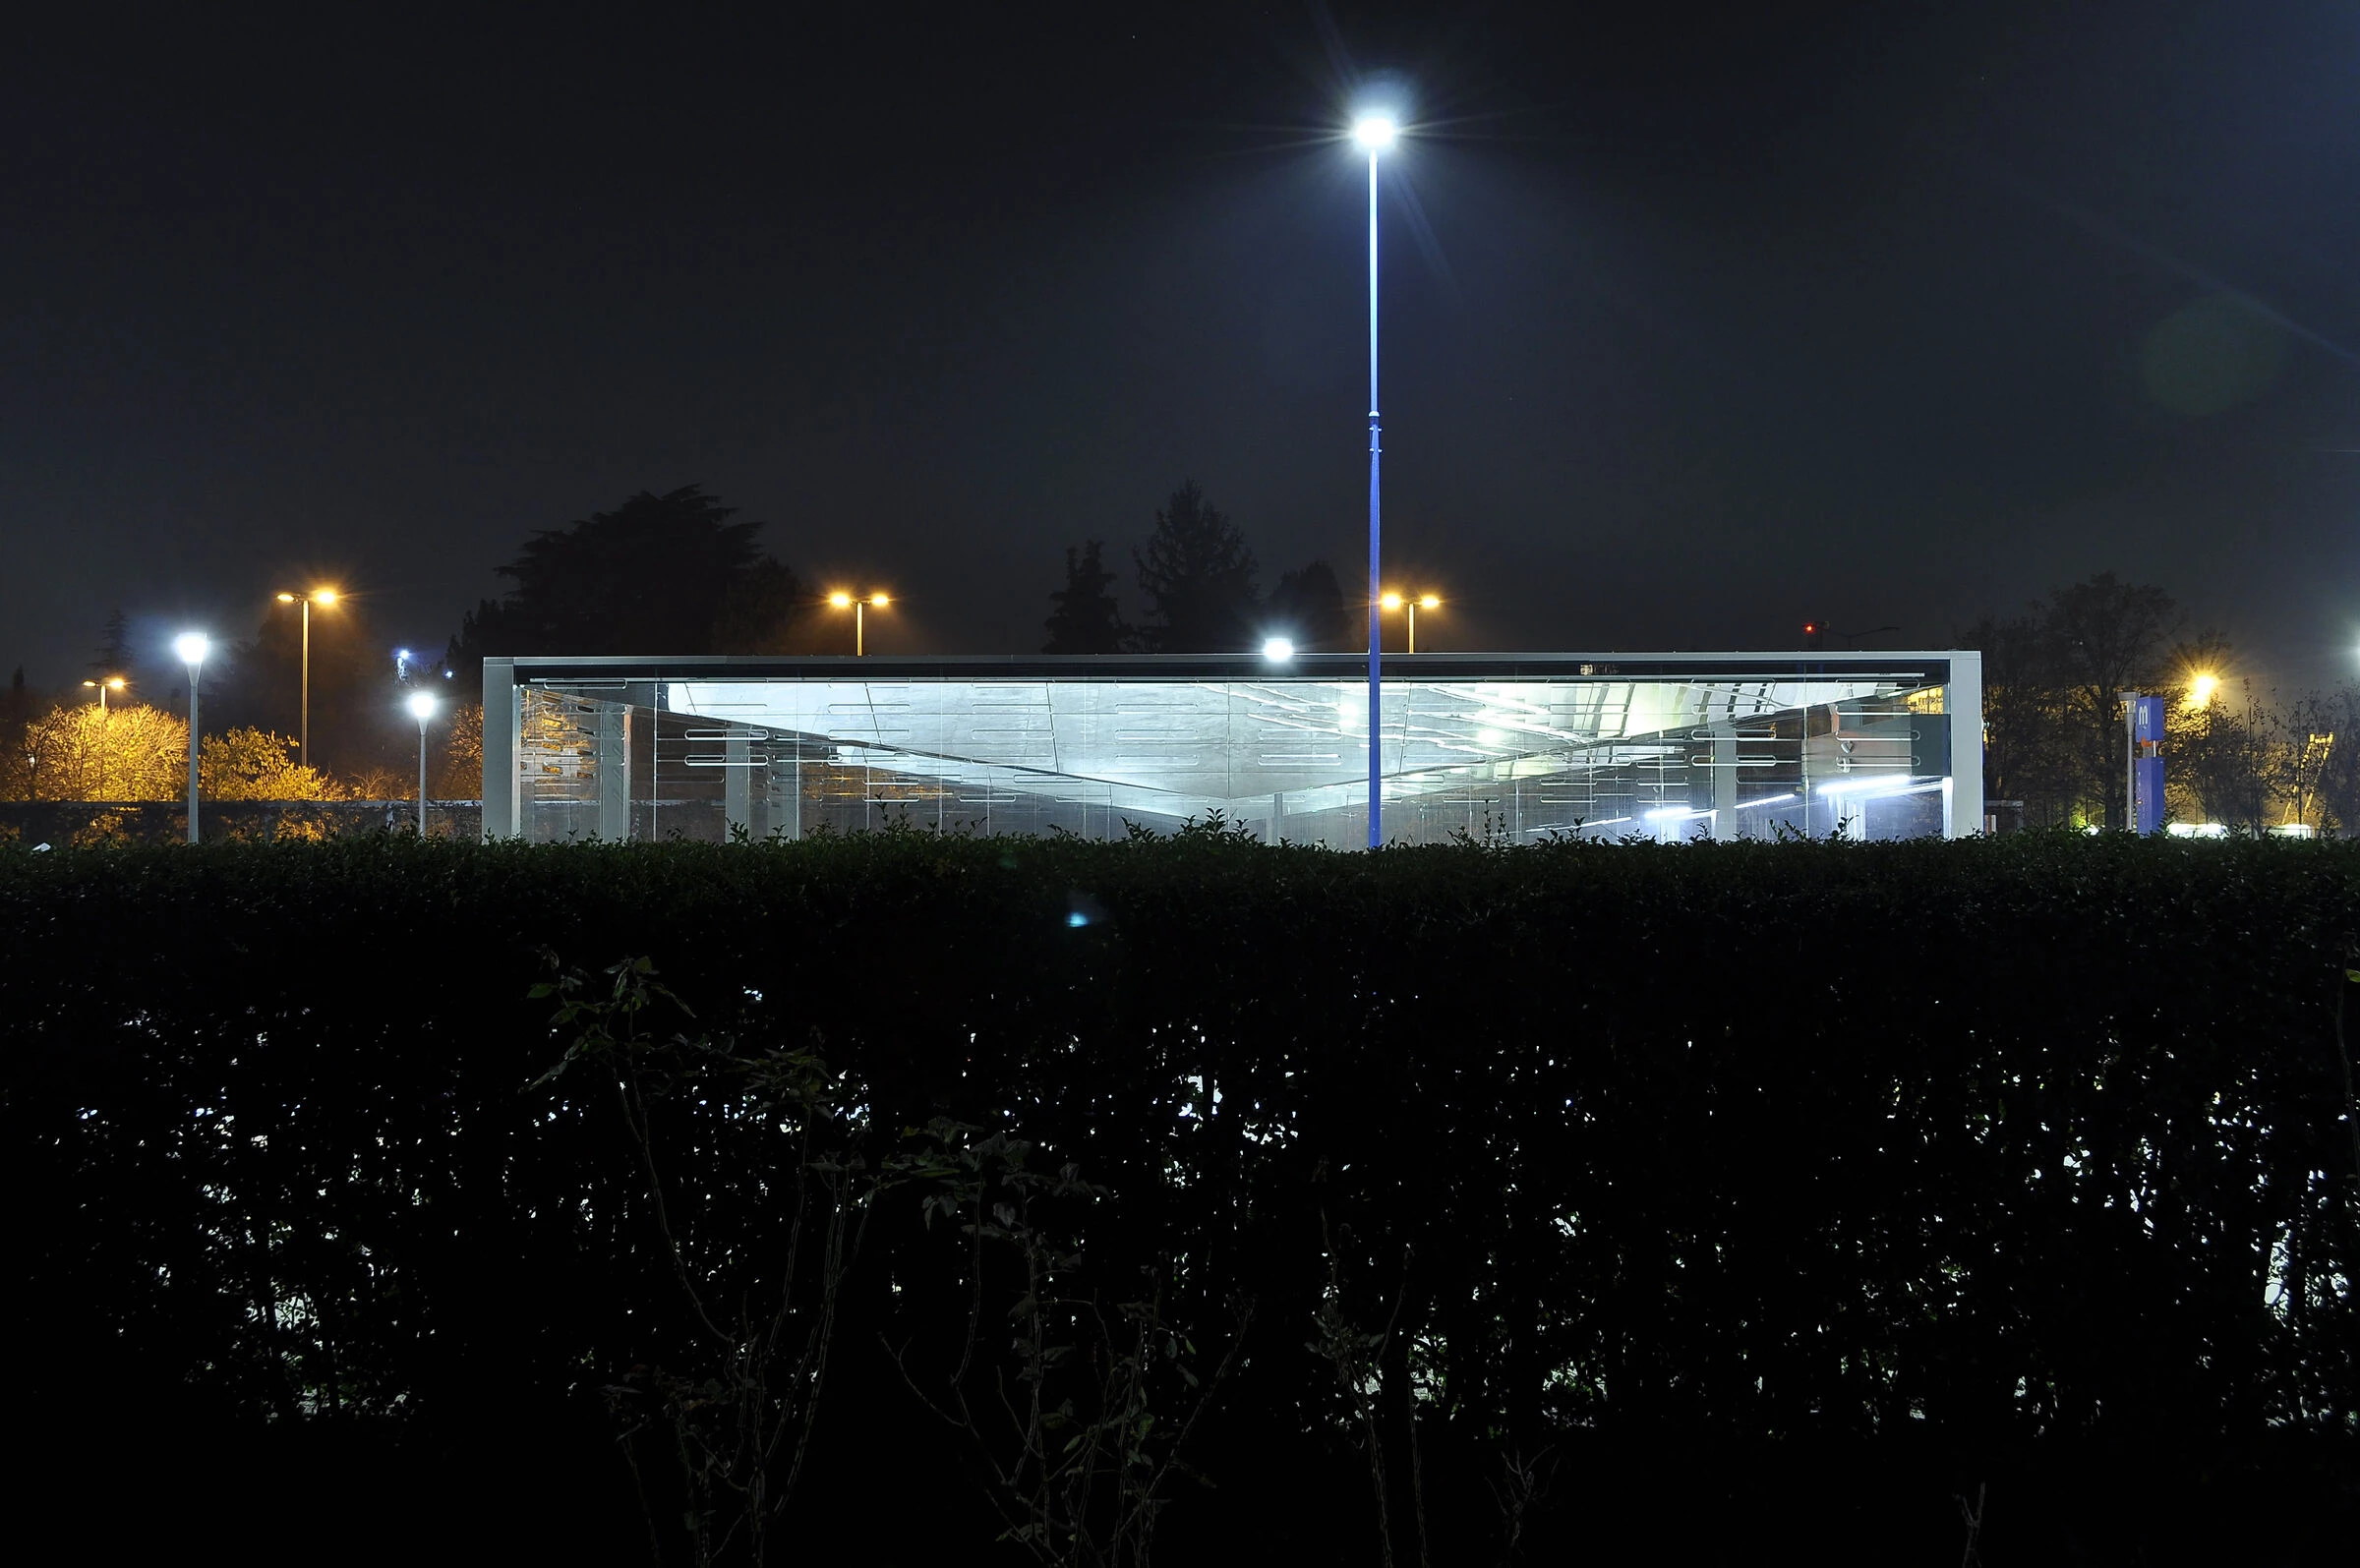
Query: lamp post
{"points": [[326, 598], [192, 647], [1375, 133], [110, 683], [422, 708], [1413, 604], [858, 604]]}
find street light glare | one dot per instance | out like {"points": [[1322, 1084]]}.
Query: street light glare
{"points": [[1429, 602], [192, 647], [879, 600], [840, 601], [324, 596], [1390, 600], [1375, 132], [286, 599], [1277, 650], [2202, 688], [422, 706]]}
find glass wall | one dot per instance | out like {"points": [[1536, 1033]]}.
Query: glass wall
{"points": [[1511, 751]]}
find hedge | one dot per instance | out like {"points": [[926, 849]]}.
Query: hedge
{"points": [[1739, 1193]]}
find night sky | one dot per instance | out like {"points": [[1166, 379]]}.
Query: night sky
{"points": [[1699, 320]]}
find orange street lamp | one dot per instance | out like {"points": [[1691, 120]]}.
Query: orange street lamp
{"points": [[326, 599], [1413, 603], [110, 683], [858, 604]]}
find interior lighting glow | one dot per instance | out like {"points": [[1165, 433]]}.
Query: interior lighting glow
{"points": [[1876, 786], [1277, 650], [2197, 829], [1375, 132], [1767, 800]]}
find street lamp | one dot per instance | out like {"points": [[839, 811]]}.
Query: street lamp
{"points": [[422, 708], [1277, 650], [326, 599], [1375, 134], [2200, 690], [858, 604], [192, 647], [1413, 604], [110, 683]]}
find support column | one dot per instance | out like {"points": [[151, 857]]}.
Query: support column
{"points": [[613, 721], [1724, 772], [1963, 698], [737, 790], [501, 716]]}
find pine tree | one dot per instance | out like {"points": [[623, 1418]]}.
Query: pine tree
{"points": [[1308, 608], [114, 647], [1085, 620], [1198, 576]]}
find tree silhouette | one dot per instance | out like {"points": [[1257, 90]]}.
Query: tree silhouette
{"points": [[1085, 620], [1308, 608], [113, 653], [660, 574], [1198, 577]]}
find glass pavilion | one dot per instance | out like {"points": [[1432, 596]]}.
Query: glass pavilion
{"points": [[1508, 747]]}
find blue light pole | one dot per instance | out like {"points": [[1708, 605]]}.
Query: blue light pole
{"points": [[1375, 133]]}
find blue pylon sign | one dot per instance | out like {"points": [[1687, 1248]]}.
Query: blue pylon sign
{"points": [[2145, 720]]}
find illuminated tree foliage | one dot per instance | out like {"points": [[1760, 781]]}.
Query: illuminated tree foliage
{"points": [[81, 752], [257, 765]]}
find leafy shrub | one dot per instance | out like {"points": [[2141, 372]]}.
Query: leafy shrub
{"points": [[1652, 1190]]}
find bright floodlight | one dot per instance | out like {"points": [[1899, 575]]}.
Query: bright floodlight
{"points": [[1277, 650], [192, 647], [422, 706], [1374, 131]]}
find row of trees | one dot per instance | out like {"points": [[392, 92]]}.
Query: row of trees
{"points": [[1197, 576], [2241, 757], [682, 573], [137, 751]]}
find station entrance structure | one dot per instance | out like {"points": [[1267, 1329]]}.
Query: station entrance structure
{"points": [[1508, 748]]}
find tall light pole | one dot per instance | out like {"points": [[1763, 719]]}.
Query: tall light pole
{"points": [[110, 683], [1375, 133], [1413, 603], [858, 604], [326, 598], [422, 708], [192, 647]]}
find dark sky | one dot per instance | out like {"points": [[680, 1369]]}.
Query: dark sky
{"points": [[1720, 318]]}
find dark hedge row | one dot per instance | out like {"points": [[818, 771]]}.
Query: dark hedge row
{"points": [[1751, 1194]]}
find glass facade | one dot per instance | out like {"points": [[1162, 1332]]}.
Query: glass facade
{"points": [[1508, 748]]}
